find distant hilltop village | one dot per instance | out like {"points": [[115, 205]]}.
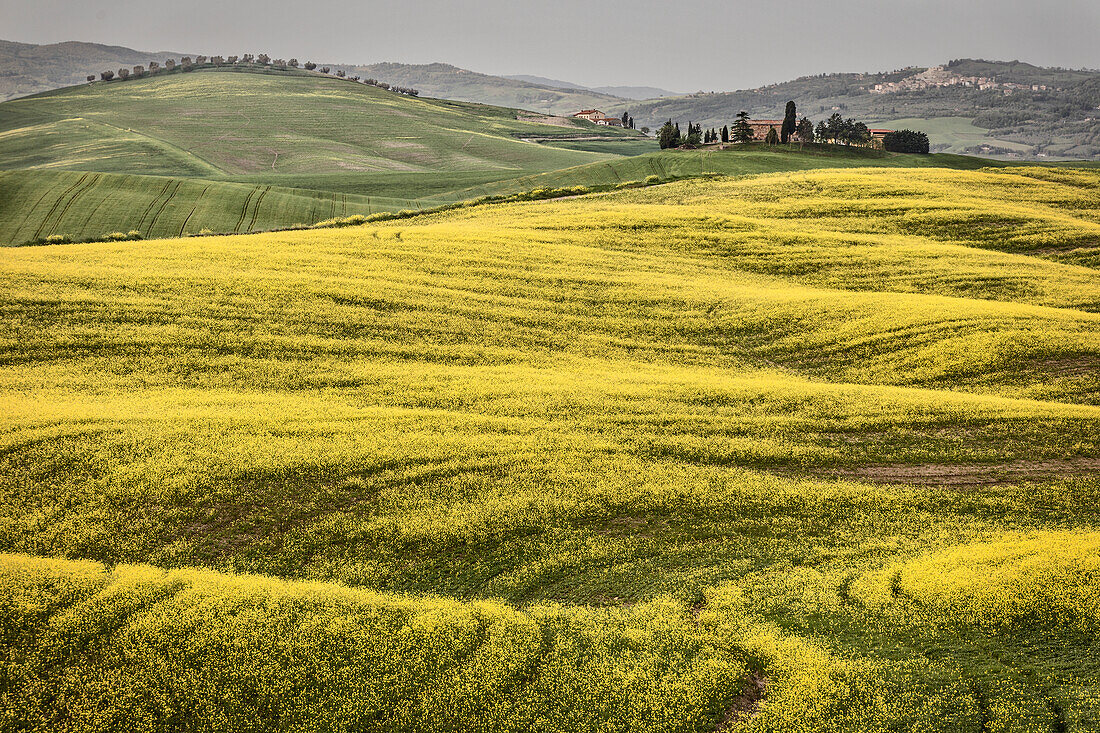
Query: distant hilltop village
{"points": [[939, 76]]}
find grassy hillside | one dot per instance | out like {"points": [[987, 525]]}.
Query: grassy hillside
{"points": [[735, 160], [212, 122], [634, 461], [39, 204]]}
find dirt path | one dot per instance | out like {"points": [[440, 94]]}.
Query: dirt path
{"points": [[747, 703]]}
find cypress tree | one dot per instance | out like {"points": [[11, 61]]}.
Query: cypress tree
{"points": [[790, 122]]}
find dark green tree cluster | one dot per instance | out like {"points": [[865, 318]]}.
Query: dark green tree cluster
{"points": [[836, 129], [669, 136], [905, 141]]}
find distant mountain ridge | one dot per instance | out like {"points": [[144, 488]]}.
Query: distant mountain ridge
{"points": [[627, 92], [451, 82], [27, 68]]}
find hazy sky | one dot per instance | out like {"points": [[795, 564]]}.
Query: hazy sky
{"points": [[683, 46]]}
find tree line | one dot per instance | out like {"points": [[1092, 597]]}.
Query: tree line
{"points": [[263, 60], [836, 130]]}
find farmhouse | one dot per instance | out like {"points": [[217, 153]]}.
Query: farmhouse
{"points": [[760, 127], [877, 137], [594, 115], [591, 115]]}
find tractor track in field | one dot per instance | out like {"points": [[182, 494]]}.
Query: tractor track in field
{"points": [[193, 209], [256, 208], [164, 204], [56, 203], [37, 203], [144, 214], [244, 210], [83, 190]]}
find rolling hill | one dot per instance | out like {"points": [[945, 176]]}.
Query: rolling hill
{"points": [[223, 122], [223, 140], [735, 160], [797, 451]]}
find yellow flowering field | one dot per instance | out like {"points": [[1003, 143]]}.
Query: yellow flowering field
{"points": [[812, 451]]}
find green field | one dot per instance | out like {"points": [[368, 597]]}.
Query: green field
{"points": [[214, 122], [798, 451], [958, 133], [80, 206]]}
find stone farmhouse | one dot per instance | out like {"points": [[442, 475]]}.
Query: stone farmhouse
{"points": [[594, 115], [760, 127]]}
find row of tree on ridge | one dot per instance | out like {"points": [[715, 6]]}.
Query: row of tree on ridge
{"points": [[836, 129], [261, 60]]}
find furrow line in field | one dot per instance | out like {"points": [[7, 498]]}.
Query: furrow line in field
{"points": [[169, 197], [83, 190], [256, 208], [56, 203], [193, 209], [141, 222], [36, 204], [244, 210]]}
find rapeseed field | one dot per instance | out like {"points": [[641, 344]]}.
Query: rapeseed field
{"points": [[811, 451]]}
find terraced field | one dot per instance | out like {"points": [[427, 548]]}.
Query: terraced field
{"points": [[802, 451]]}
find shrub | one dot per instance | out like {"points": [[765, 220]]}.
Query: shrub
{"points": [[134, 234], [57, 239], [650, 180]]}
